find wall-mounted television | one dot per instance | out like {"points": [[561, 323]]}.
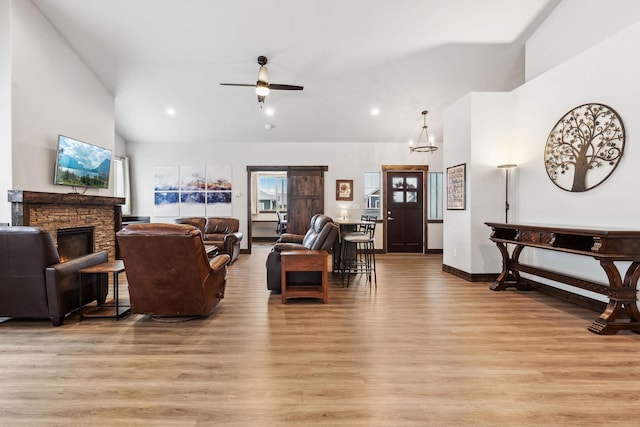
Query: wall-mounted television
{"points": [[80, 164]]}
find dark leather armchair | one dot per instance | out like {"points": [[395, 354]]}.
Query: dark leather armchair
{"points": [[35, 284], [168, 271], [320, 236], [219, 231]]}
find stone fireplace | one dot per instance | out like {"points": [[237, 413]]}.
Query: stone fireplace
{"points": [[55, 211]]}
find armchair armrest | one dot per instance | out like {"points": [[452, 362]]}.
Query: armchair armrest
{"points": [[65, 274], [279, 247], [219, 262], [291, 238], [63, 278], [232, 238]]}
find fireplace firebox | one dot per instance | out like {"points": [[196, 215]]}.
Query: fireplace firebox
{"points": [[74, 242]]}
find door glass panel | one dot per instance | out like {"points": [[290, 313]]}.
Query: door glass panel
{"points": [[412, 182], [412, 197], [398, 196], [397, 183]]}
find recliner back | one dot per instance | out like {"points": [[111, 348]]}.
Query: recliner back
{"points": [[168, 271], [322, 233], [25, 253], [33, 281]]}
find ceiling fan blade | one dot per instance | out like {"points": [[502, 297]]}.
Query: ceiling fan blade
{"points": [[237, 84], [285, 87]]}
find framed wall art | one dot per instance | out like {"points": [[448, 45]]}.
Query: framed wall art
{"points": [[344, 189], [456, 187], [584, 147]]}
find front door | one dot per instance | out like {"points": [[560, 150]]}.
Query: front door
{"points": [[404, 212]]}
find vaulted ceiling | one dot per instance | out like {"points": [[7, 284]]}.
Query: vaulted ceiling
{"points": [[351, 56]]}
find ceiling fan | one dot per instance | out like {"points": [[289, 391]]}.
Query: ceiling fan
{"points": [[262, 85]]}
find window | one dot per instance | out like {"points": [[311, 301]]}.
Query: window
{"points": [[372, 203], [272, 191], [121, 181], [435, 196]]}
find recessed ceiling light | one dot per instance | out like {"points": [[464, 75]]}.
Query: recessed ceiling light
{"points": [[171, 111], [375, 111], [269, 111]]}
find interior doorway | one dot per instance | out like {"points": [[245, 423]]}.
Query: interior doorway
{"points": [[304, 197], [404, 208]]}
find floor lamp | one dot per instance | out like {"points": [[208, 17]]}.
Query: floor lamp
{"points": [[506, 168]]}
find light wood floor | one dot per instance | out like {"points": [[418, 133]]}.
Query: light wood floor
{"points": [[426, 349]]}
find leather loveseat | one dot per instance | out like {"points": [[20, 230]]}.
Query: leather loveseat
{"points": [[168, 271], [320, 236], [222, 232], [35, 284]]}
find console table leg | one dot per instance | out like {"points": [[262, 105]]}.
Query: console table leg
{"points": [[508, 277], [622, 296], [631, 282]]}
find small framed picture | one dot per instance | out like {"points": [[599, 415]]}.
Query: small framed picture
{"points": [[456, 187], [344, 189]]}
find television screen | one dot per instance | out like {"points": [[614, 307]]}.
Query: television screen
{"points": [[82, 165]]}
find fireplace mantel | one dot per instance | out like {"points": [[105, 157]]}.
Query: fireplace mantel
{"points": [[52, 211], [20, 196]]}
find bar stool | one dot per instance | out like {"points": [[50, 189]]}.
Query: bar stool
{"points": [[358, 253]]}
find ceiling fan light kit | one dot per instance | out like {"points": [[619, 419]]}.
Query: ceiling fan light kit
{"points": [[262, 89], [262, 86]]}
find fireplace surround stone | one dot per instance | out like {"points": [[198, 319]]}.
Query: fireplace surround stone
{"points": [[52, 211]]}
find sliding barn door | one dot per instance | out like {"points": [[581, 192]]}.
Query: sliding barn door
{"points": [[305, 196]]}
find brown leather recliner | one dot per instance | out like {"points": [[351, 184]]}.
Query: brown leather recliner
{"points": [[35, 284], [321, 236], [219, 231], [168, 271]]}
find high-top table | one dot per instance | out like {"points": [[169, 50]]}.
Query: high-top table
{"points": [[607, 246], [345, 225]]}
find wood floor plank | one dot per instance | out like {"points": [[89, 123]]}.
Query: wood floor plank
{"points": [[424, 348]]}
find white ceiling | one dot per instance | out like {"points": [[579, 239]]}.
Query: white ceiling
{"points": [[401, 56]]}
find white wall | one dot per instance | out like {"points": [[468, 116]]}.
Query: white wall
{"points": [[573, 27], [457, 150], [476, 134], [491, 146], [53, 92], [605, 73], [345, 161], [5, 108]]}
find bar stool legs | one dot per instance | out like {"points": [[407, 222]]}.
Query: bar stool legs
{"points": [[358, 256]]}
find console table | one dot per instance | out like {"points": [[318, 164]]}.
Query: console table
{"points": [[605, 245]]}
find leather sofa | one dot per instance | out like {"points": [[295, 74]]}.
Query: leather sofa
{"points": [[35, 284], [222, 232], [321, 235], [168, 271]]}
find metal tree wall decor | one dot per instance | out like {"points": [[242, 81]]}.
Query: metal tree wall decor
{"points": [[584, 147]]}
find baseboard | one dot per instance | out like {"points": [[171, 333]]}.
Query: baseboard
{"points": [[434, 251], [484, 277]]}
